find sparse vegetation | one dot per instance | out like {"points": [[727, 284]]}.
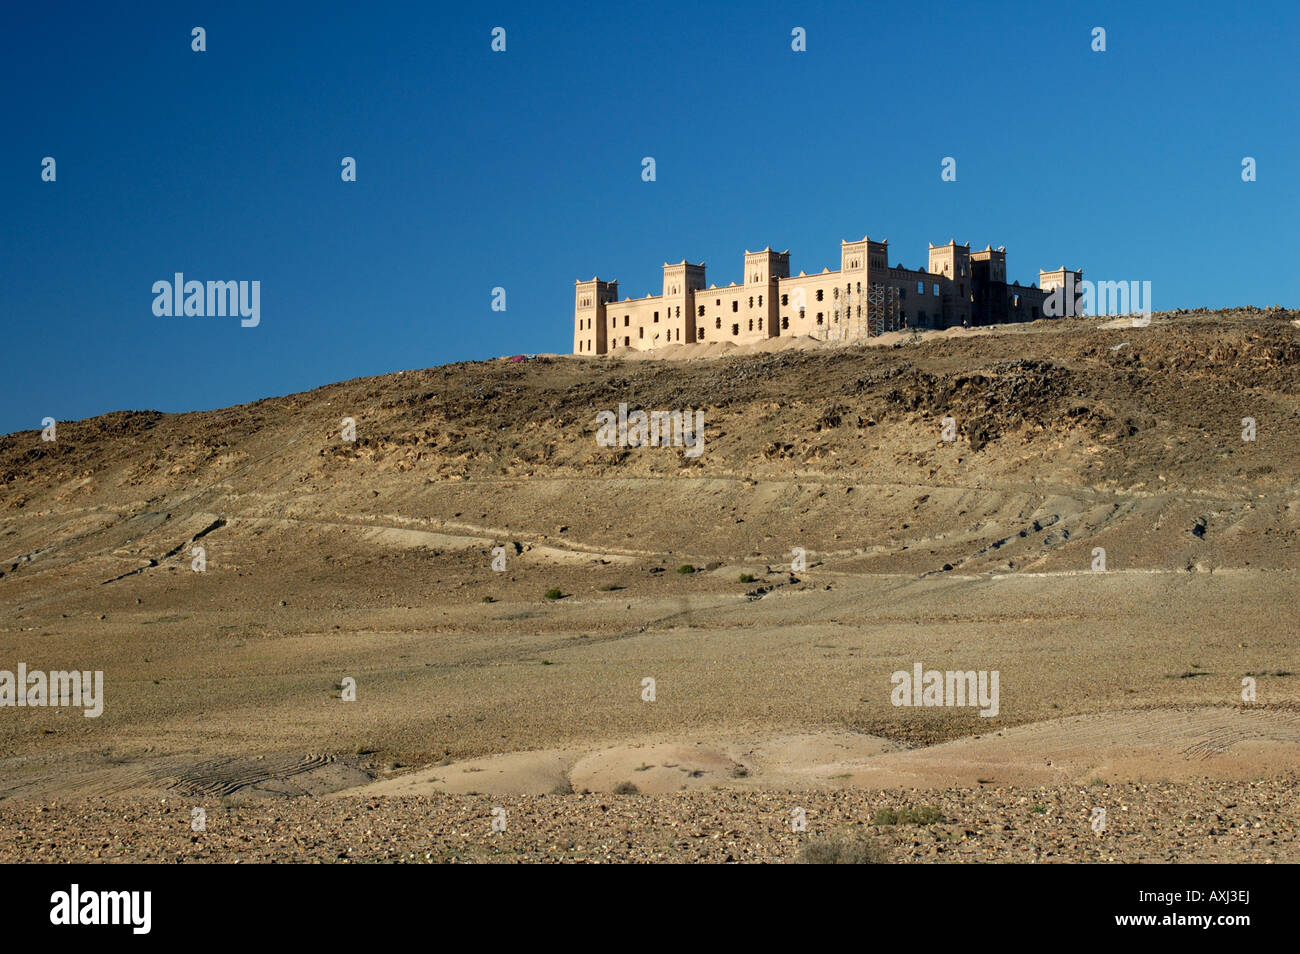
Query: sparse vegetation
{"points": [[626, 788], [842, 849], [747, 578], [925, 815]]}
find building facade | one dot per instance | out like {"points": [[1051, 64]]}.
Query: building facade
{"points": [[865, 297]]}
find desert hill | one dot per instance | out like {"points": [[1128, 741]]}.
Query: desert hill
{"points": [[371, 560]]}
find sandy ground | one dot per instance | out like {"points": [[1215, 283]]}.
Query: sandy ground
{"points": [[371, 561]]}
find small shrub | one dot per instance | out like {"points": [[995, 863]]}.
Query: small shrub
{"points": [[908, 816], [685, 568], [553, 593], [626, 788], [920, 816], [842, 849], [746, 578]]}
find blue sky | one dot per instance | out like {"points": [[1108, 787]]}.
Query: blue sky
{"points": [[522, 169]]}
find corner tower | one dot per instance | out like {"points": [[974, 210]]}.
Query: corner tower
{"points": [[589, 300]]}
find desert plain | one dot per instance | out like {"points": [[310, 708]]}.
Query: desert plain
{"points": [[349, 678]]}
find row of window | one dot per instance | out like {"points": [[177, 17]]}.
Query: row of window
{"points": [[627, 319], [785, 301], [627, 339]]}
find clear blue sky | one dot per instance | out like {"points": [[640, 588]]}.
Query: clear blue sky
{"points": [[523, 169]]}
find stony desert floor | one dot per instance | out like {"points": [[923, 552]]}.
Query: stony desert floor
{"points": [[478, 699]]}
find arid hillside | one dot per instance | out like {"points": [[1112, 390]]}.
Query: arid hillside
{"points": [[1097, 530]]}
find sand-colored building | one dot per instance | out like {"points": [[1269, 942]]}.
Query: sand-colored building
{"points": [[866, 296]]}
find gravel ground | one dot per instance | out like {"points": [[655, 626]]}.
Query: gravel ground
{"points": [[1204, 822]]}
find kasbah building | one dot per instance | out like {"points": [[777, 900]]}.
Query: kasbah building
{"points": [[866, 297]]}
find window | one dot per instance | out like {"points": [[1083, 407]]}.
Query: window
{"points": [[785, 299], [718, 302], [820, 293], [835, 293], [735, 329], [679, 311], [701, 311], [751, 301], [936, 289], [627, 320], [656, 317], [717, 322], [902, 294], [613, 321], [920, 288], [699, 334], [751, 324], [641, 332], [785, 321], [735, 304], [819, 317], [760, 301], [627, 342]]}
